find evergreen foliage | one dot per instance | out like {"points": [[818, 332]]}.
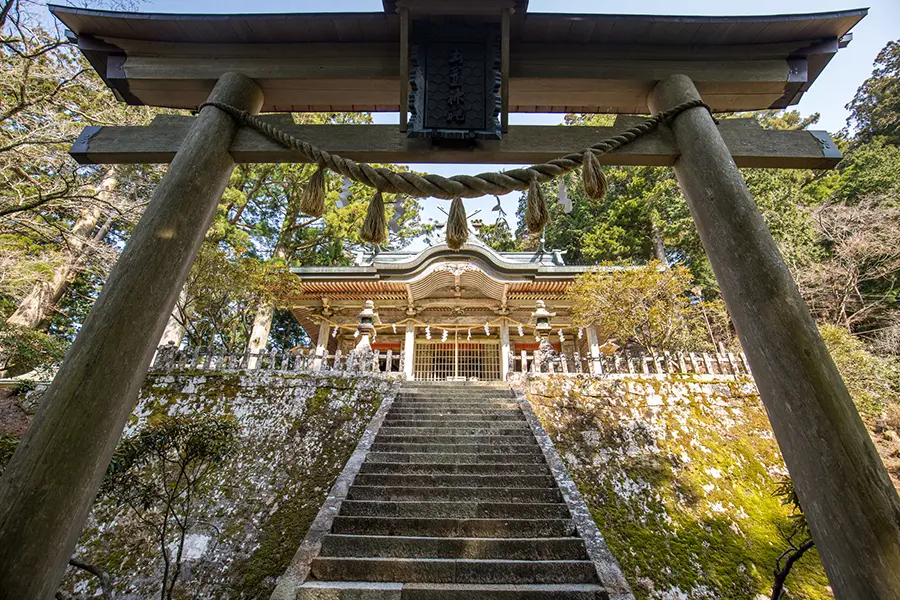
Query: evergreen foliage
{"points": [[875, 109], [159, 473], [651, 306]]}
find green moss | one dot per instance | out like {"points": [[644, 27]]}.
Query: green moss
{"points": [[285, 528], [8, 445], [680, 483], [297, 433]]}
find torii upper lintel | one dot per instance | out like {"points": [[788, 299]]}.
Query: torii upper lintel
{"points": [[557, 63]]}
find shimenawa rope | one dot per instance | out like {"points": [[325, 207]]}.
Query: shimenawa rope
{"points": [[458, 186]]}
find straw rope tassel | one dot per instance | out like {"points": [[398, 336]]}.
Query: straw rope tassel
{"points": [[592, 176], [457, 225], [312, 199], [536, 214], [374, 228]]}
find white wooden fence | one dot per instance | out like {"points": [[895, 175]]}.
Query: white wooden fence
{"points": [[170, 358], [700, 363]]}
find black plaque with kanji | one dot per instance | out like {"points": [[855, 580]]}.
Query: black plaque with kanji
{"points": [[455, 81]]}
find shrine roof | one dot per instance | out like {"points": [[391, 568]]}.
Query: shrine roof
{"points": [[349, 61], [529, 27], [405, 266]]}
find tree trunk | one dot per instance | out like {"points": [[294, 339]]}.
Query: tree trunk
{"points": [[262, 321], [35, 309], [259, 334], [174, 331], [659, 247]]}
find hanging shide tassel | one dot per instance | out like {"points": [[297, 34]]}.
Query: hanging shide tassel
{"points": [[312, 199], [457, 225], [562, 194], [536, 214], [374, 228], [593, 178]]}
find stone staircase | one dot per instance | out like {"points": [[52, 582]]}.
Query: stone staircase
{"points": [[454, 501]]}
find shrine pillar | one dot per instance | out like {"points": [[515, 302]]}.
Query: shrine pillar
{"points": [[50, 483], [321, 345], [594, 348], [409, 344], [504, 350], [852, 508]]}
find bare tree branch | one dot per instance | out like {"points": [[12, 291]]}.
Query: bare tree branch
{"points": [[103, 576]]}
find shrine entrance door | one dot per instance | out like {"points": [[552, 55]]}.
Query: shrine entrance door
{"points": [[475, 359]]}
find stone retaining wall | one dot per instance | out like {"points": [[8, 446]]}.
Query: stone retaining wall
{"points": [[679, 474], [297, 431]]}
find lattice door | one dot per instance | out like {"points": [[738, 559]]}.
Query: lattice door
{"points": [[448, 361]]}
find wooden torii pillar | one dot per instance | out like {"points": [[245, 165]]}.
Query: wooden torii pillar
{"points": [[849, 501], [50, 483]]}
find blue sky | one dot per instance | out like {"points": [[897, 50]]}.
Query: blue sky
{"points": [[828, 96]]}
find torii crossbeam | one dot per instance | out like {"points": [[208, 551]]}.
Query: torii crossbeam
{"points": [[455, 70]]}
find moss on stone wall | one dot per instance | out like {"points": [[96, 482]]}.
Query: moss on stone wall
{"points": [[297, 432], [679, 475]]}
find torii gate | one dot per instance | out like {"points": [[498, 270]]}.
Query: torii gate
{"points": [[539, 63]]}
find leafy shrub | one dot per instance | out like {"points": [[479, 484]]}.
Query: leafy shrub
{"points": [[8, 445], [23, 349], [651, 305], [873, 381], [160, 472]]}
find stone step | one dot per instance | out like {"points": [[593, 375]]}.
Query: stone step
{"points": [[455, 510], [431, 394], [473, 410], [520, 439], [479, 394], [434, 494], [462, 391], [495, 481], [442, 570], [453, 430], [455, 468], [380, 546], [456, 448], [459, 393], [462, 457], [448, 404], [366, 590], [447, 527], [451, 423], [404, 416]]}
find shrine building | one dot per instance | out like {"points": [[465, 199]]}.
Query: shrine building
{"points": [[444, 314]]}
